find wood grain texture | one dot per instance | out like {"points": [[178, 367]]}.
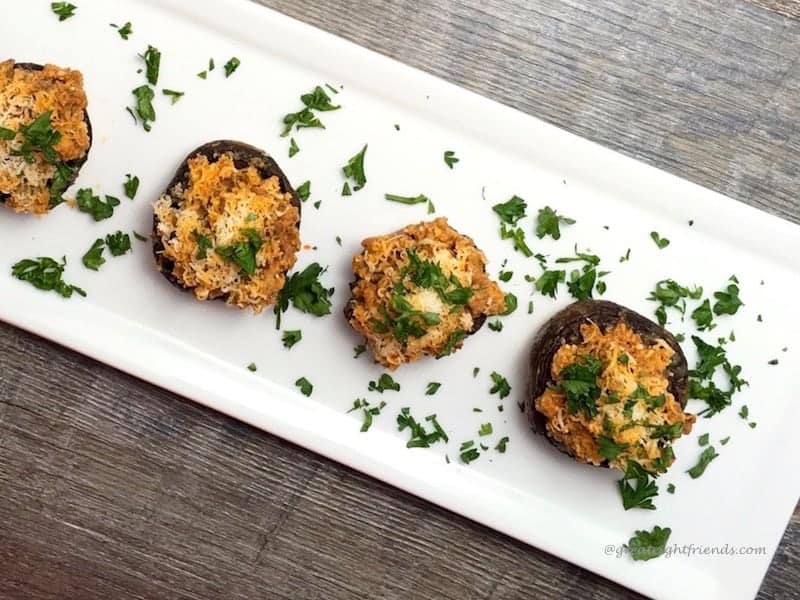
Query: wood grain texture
{"points": [[110, 487]]}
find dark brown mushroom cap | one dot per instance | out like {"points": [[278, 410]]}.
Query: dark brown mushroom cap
{"points": [[564, 328], [244, 155], [76, 164]]}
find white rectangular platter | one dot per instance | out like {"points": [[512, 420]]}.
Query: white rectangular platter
{"points": [[132, 319]]}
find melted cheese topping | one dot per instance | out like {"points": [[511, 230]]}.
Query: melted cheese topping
{"points": [[647, 369], [220, 202], [24, 96], [378, 268]]}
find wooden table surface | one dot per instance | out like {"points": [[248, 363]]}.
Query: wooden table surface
{"points": [[112, 488]]}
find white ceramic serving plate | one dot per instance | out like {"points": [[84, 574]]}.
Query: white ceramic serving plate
{"points": [[135, 321]]}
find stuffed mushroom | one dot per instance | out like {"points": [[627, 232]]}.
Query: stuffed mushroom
{"points": [[420, 291], [45, 134], [608, 386], [227, 227]]}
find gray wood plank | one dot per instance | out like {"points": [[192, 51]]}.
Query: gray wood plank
{"points": [[110, 487]]}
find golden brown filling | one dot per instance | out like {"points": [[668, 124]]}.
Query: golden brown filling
{"points": [[418, 292], [230, 233], [26, 95], [610, 400]]}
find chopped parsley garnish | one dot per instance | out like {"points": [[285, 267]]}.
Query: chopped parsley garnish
{"points": [[432, 388], [368, 411], [744, 412], [659, 241], [203, 74], [125, 31], [646, 545], [517, 236], [317, 204], [144, 95], [468, 452], [450, 158], [547, 282], [420, 438], [385, 382], [131, 186], [670, 294], [304, 191], [671, 488], [608, 448], [500, 385], [306, 294], [626, 257], [703, 316], [305, 386], [174, 95], [118, 243], [578, 381], [475, 372], [152, 61], [139, 236], [582, 282], [291, 337], [485, 429], [252, 367], [64, 10], [701, 384], [706, 457], [703, 439], [204, 244], [45, 274], [511, 303], [243, 253], [314, 100], [7, 134], [359, 350], [725, 440], [501, 445], [346, 189], [548, 221], [93, 259], [505, 276], [641, 494], [89, 203], [496, 325], [354, 169], [512, 210], [293, 148], [339, 240], [728, 301], [231, 66], [421, 199], [773, 362]]}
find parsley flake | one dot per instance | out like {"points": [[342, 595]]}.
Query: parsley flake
{"points": [[385, 382], [500, 386], [548, 221], [45, 274], [93, 259], [305, 386], [64, 10], [291, 337], [659, 241], [131, 186], [705, 459], [231, 66], [354, 169], [647, 545]]}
